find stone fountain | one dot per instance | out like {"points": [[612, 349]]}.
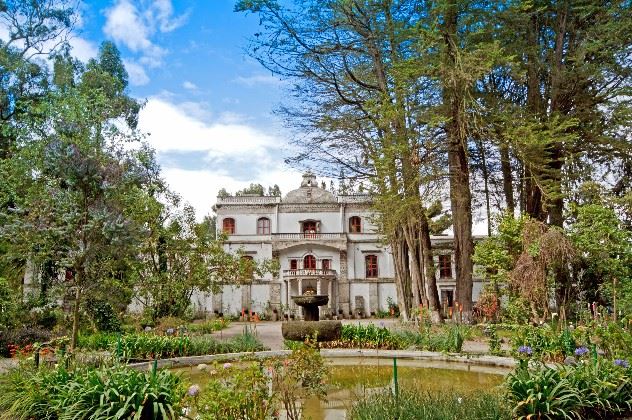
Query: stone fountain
{"points": [[311, 327], [310, 304]]}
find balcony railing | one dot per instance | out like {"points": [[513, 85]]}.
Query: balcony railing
{"points": [[309, 272], [248, 199], [308, 236]]}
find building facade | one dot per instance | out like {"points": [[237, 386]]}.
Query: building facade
{"points": [[326, 244]]}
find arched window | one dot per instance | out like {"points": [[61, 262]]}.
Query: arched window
{"points": [[370, 261], [228, 226], [355, 224], [263, 226], [309, 262]]}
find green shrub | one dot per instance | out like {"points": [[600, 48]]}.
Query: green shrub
{"points": [[103, 315], [152, 346], [22, 337], [598, 389], [235, 394], [411, 404], [546, 343], [97, 393], [447, 338], [208, 327]]}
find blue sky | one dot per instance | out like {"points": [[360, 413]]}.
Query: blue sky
{"points": [[209, 106]]}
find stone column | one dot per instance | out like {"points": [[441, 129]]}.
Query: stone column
{"points": [[245, 297], [275, 295], [318, 288], [373, 298], [300, 292], [343, 284], [330, 292]]}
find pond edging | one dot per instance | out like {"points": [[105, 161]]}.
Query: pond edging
{"points": [[479, 360], [185, 361]]}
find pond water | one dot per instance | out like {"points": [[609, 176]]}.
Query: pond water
{"points": [[352, 378]]}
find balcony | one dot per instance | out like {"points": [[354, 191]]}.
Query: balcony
{"points": [[307, 236], [282, 241], [309, 273]]}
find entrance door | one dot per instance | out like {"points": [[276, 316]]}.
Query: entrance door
{"points": [[309, 229], [447, 300]]}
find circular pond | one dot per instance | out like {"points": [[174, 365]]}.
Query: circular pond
{"points": [[354, 377]]}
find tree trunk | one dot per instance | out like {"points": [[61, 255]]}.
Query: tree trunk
{"points": [[532, 191], [402, 278], [75, 318], [485, 172], [460, 194], [429, 272], [505, 167]]}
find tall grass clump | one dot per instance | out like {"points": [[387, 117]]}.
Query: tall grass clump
{"points": [[413, 404], [590, 389], [151, 346], [114, 392]]}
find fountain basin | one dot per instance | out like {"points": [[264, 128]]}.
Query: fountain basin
{"points": [[310, 304]]}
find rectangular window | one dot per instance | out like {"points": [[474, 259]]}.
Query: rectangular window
{"points": [[228, 226], [370, 262], [326, 264], [263, 226], [293, 264], [355, 225], [445, 266]]}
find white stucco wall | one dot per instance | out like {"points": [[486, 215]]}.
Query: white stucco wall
{"points": [[290, 222], [259, 296], [386, 290], [246, 224], [360, 289], [356, 259], [231, 299]]}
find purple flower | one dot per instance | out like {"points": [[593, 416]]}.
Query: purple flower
{"points": [[193, 391], [527, 350], [581, 351], [623, 363], [227, 365]]}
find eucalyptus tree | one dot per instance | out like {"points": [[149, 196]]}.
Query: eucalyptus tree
{"points": [[75, 181], [35, 29], [385, 90]]}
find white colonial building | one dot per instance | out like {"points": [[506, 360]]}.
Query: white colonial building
{"points": [[325, 244]]}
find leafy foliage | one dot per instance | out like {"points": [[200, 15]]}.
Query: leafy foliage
{"points": [[151, 346], [412, 404], [236, 393], [98, 393], [587, 390]]}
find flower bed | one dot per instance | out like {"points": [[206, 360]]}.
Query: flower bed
{"points": [[151, 346]]}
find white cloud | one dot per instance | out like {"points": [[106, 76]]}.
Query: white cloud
{"points": [[174, 130], [229, 146], [258, 79], [200, 187], [136, 72], [189, 85], [83, 49], [134, 24], [162, 10]]}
